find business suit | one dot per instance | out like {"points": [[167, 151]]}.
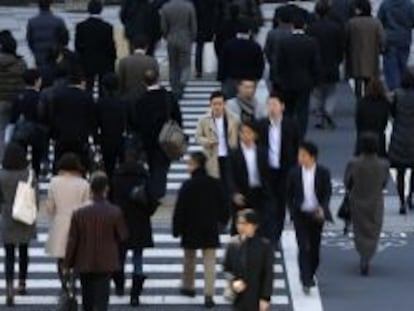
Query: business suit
{"points": [[94, 42], [308, 229], [289, 142], [179, 26]]}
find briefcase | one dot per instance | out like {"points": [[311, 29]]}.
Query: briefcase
{"points": [[68, 300]]}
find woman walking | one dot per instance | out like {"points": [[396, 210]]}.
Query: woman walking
{"points": [[68, 191], [401, 151], [14, 234], [365, 179]]}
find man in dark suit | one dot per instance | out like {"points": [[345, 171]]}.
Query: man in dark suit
{"points": [[309, 192], [95, 45], [249, 170], [298, 70], [279, 135], [96, 233]]}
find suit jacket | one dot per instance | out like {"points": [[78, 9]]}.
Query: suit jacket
{"points": [[290, 141], [323, 189], [94, 42], [207, 131], [95, 234]]}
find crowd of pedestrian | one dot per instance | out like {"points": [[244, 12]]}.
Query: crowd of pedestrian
{"points": [[256, 164]]}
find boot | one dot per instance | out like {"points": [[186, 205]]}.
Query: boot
{"points": [[21, 289], [136, 290], [119, 280], [9, 294]]}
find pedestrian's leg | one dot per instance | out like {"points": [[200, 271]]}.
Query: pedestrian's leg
{"points": [[158, 170], [138, 277], [330, 104], [173, 67], [119, 276], [189, 271], [315, 244], [199, 58], [87, 284], [23, 264], [401, 189], [410, 194], [101, 292], [185, 65], [391, 67], [302, 112], [9, 271], [403, 55], [209, 262], [317, 95], [304, 259], [280, 207]]}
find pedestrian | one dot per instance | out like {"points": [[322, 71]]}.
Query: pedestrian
{"points": [[365, 179], [129, 175], [200, 211], [308, 194], [279, 135], [343, 9], [372, 115], [299, 68], [96, 233], [67, 192], [284, 28], [249, 262], [72, 102], [249, 176], [205, 9], [12, 67], [111, 120], [179, 27], [154, 108], [330, 36], [244, 106], [401, 149], [141, 19], [397, 18], [94, 42], [365, 41], [42, 35], [14, 234], [26, 116], [236, 51]]}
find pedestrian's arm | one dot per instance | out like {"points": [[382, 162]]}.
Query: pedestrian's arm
{"points": [[29, 35], [348, 177], [176, 112], [223, 205], [381, 37], [201, 135], [178, 216], [121, 231], [79, 41], [260, 63], [164, 24], [193, 22], [267, 275], [112, 46], [268, 49]]}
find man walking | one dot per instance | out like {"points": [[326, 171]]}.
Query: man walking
{"points": [[179, 26], [200, 210], [96, 233], [95, 45], [309, 193]]}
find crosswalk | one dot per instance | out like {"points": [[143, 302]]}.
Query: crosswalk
{"points": [[162, 265]]}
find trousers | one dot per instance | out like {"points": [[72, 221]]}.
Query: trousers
{"points": [[95, 291], [179, 56], [395, 63], [10, 250]]}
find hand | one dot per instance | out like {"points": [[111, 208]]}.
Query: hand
{"points": [[264, 305], [238, 286], [212, 143], [320, 215], [239, 200]]}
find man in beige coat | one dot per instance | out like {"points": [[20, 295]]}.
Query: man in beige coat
{"points": [[217, 132]]}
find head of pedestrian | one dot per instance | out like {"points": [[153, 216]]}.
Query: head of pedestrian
{"points": [[217, 103], [362, 8], [368, 144], [99, 185], [151, 78], [69, 163], [140, 43], [246, 89], [76, 78], [308, 154], [196, 162], [95, 7], [44, 5], [8, 44], [275, 106], [32, 79], [299, 20], [247, 223], [248, 134], [282, 16], [322, 8]]}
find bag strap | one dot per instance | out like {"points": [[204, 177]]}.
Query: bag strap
{"points": [[169, 105]]}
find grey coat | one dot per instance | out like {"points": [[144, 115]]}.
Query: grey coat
{"points": [[13, 232], [179, 22], [366, 178]]}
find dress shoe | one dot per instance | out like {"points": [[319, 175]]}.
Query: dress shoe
{"points": [[306, 290], [403, 209], [21, 289], [188, 292], [209, 302], [364, 268]]}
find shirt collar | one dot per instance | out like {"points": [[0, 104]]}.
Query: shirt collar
{"points": [[245, 148], [139, 51], [154, 87], [310, 170], [298, 32], [276, 122]]}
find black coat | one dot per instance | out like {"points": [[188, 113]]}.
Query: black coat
{"points": [[372, 116], [111, 118], [26, 105], [241, 51], [330, 36], [95, 45], [206, 18], [290, 141], [251, 260], [200, 209], [323, 189], [298, 63], [137, 218]]}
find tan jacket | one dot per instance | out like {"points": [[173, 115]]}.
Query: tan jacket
{"points": [[207, 133]]}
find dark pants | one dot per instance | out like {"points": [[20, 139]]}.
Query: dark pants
{"points": [[10, 250], [199, 57], [159, 165], [95, 291], [360, 87], [277, 210], [91, 77], [112, 151], [308, 236], [395, 64], [297, 107], [137, 262]]}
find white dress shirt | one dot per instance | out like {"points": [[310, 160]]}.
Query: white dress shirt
{"points": [[275, 143], [221, 135], [250, 157], [310, 201]]}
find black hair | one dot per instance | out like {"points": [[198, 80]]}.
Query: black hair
{"points": [[277, 95], [249, 216], [250, 124], [8, 43], [310, 148], [368, 143], [151, 77], [364, 6], [110, 83], [99, 183], [95, 7], [298, 18], [76, 76], [140, 42], [45, 4], [70, 162], [322, 8], [199, 158], [282, 14], [15, 157], [217, 94], [31, 76]]}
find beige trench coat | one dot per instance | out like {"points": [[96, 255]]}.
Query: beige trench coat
{"points": [[207, 133], [67, 193]]}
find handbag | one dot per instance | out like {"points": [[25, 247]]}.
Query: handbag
{"points": [[25, 205], [344, 211], [68, 301], [172, 139]]}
